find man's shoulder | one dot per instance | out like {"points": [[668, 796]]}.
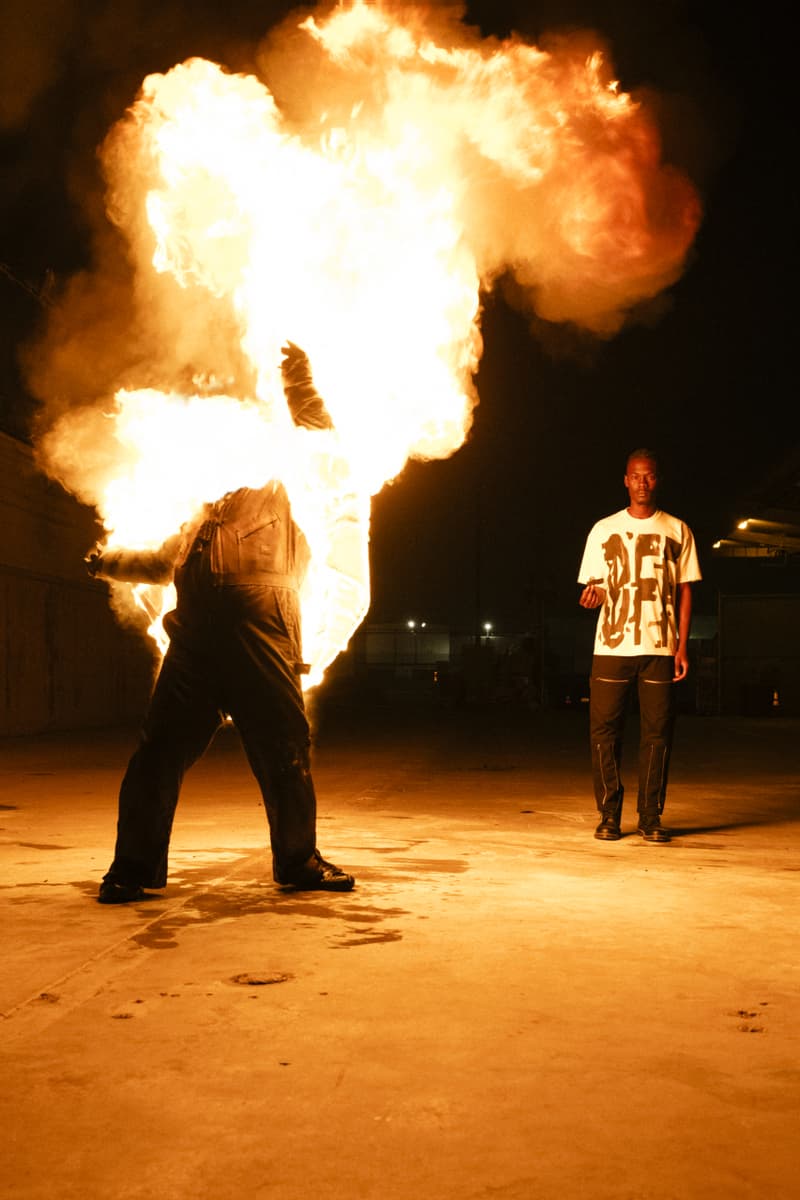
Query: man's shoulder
{"points": [[668, 520], [611, 521]]}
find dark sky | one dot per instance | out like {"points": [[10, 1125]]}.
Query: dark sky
{"points": [[503, 522], [710, 384]]}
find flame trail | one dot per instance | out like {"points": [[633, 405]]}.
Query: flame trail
{"points": [[418, 165]]}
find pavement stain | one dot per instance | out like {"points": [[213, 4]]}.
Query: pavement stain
{"points": [[448, 866], [368, 939], [29, 890], [749, 1018], [233, 904], [369, 915], [245, 981], [409, 845]]}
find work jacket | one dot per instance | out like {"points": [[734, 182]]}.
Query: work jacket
{"points": [[246, 537]]}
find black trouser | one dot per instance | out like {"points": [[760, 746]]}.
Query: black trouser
{"points": [[234, 650], [613, 678]]}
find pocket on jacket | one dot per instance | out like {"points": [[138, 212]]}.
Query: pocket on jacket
{"points": [[260, 545]]}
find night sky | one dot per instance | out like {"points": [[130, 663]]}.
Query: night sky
{"points": [[489, 533]]}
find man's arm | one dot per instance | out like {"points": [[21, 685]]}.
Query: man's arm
{"points": [[305, 403], [591, 572], [684, 625], [135, 566]]}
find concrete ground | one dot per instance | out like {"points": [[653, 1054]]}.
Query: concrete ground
{"points": [[503, 1009]]}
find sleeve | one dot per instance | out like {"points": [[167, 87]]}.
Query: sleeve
{"points": [[139, 566], [593, 565], [305, 403], [688, 562]]}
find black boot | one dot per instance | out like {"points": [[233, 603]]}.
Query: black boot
{"points": [[117, 891], [317, 875], [609, 828], [651, 829]]}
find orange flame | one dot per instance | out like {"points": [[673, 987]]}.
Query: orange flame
{"points": [[425, 165]]}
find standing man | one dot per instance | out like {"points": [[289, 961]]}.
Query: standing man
{"points": [[638, 568], [235, 648]]}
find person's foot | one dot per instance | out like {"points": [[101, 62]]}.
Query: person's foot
{"points": [[653, 831], [317, 875], [112, 892], [608, 830]]}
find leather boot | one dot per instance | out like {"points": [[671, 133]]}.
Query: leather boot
{"points": [[651, 829], [609, 828]]}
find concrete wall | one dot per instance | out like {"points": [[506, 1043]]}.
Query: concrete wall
{"points": [[65, 662], [759, 655]]}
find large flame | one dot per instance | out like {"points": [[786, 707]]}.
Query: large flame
{"points": [[418, 167]]}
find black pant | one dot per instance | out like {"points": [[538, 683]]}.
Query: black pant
{"points": [[233, 650], [613, 678]]}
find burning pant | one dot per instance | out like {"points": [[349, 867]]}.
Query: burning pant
{"points": [[613, 678], [233, 650]]}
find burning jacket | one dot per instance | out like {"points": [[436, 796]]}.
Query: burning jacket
{"points": [[247, 537], [250, 536]]}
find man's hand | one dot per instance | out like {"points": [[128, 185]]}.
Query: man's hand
{"points": [[305, 404], [681, 664], [592, 595], [295, 362], [93, 561]]}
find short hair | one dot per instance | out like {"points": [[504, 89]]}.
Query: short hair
{"points": [[642, 452]]}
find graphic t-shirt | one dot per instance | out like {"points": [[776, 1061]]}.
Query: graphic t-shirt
{"points": [[639, 562]]}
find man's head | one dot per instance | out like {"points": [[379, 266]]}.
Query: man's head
{"points": [[641, 480]]}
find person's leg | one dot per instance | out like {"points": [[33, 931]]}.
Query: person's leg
{"points": [[181, 721], [260, 661], [282, 768], [610, 683], [656, 709]]}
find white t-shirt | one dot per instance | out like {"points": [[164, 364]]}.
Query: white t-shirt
{"points": [[639, 562]]}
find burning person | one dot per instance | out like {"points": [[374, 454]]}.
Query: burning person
{"points": [[235, 649], [638, 568]]}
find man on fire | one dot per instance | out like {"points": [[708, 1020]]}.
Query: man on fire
{"points": [[235, 650]]}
